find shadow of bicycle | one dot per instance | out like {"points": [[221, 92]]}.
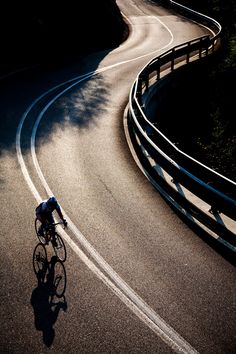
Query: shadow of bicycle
{"points": [[48, 298]]}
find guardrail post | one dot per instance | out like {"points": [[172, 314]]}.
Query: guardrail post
{"points": [[173, 59], [200, 49], [145, 79], [158, 72], [188, 53], [139, 89]]}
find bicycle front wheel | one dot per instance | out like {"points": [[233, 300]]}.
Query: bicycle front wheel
{"points": [[59, 247], [41, 234]]}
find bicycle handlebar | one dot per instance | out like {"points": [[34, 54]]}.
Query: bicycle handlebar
{"points": [[57, 223]]}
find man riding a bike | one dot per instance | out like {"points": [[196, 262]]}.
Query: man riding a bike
{"points": [[44, 213]]}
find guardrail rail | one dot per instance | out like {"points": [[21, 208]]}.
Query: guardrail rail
{"points": [[200, 193]]}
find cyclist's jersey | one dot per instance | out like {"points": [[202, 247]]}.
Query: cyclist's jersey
{"points": [[44, 209]]}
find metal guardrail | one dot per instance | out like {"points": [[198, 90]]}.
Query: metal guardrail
{"points": [[208, 185]]}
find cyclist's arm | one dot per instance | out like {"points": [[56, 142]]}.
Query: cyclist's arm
{"points": [[58, 209]]}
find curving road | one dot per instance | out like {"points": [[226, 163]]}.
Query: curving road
{"points": [[139, 280]]}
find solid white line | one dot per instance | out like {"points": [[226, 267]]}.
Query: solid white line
{"points": [[113, 281], [137, 305], [154, 321], [122, 290]]}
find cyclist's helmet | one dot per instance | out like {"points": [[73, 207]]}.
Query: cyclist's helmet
{"points": [[52, 203]]}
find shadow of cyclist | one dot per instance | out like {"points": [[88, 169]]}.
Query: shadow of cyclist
{"points": [[45, 304]]}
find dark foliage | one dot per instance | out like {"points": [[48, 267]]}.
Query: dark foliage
{"points": [[42, 30], [211, 126]]}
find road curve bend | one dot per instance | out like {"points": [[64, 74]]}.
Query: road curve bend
{"points": [[138, 279]]}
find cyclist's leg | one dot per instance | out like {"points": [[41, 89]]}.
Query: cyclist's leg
{"points": [[40, 230], [60, 248], [45, 222], [50, 220]]}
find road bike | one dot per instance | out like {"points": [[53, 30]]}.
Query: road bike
{"points": [[49, 234], [52, 273]]}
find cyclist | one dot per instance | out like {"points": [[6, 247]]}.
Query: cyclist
{"points": [[44, 212]]}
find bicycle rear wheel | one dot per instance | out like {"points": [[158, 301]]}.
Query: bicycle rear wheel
{"points": [[59, 247], [59, 279], [41, 235], [40, 261]]}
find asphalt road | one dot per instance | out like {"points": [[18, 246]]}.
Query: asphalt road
{"points": [[138, 279]]}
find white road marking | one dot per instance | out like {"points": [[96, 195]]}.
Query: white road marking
{"points": [[129, 297]]}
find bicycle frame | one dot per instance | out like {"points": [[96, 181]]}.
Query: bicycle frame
{"points": [[51, 235], [50, 230]]}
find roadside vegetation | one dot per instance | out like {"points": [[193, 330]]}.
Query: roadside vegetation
{"points": [[42, 31], [207, 130]]}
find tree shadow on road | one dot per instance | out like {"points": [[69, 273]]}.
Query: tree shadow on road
{"points": [[81, 108], [81, 104]]}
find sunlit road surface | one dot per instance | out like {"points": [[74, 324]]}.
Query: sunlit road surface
{"points": [[138, 279]]}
